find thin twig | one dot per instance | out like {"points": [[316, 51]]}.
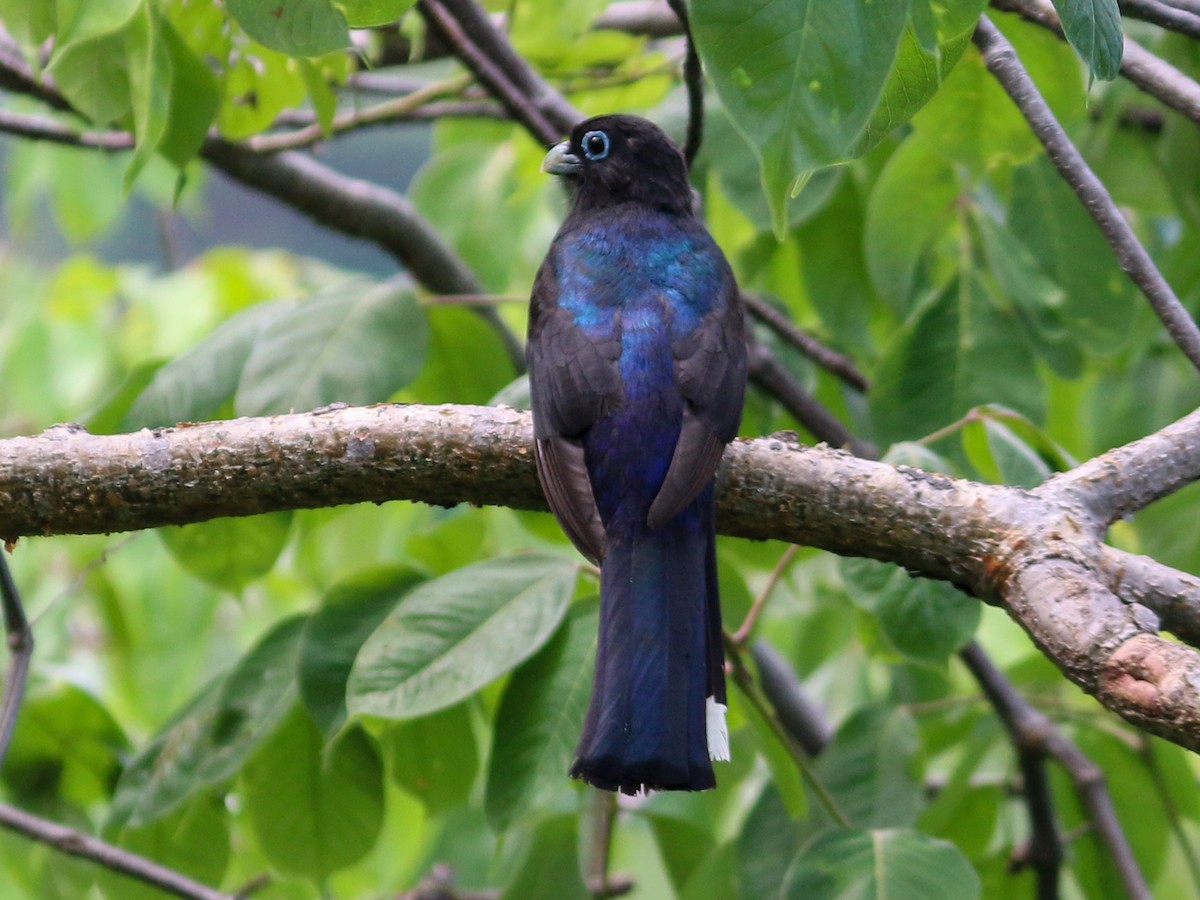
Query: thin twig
{"points": [[385, 113], [602, 820], [20, 652], [745, 682], [76, 843], [1002, 61], [772, 376], [1032, 732], [827, 358], [506, 74], [693, 78], [747, 627]]}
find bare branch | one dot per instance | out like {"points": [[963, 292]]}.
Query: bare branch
{"points": [[1036, 738], [1139, 66], [360, 209], [1009, 546], [1001, 60], [20, 650], [830, 360], [1131, 477], [768, 373], [386, 113], [510, 78], [799, 716], [76, 843], [1168, 593]]}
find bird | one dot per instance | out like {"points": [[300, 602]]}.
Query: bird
{"points": [[637, 368]]}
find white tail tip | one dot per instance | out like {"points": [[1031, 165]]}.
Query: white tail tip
{"points": [[717, 730]]}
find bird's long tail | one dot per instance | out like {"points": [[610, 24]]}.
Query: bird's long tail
{"points": [[656, 718]]}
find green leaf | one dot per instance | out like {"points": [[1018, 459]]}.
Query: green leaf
{"points": [[149, 87], [67, 743], [435, 757], [453, 635], [785, 773], [195, 384], [209, 740], [800, 80], [294, 27], [314, 810], [357, 343], [193, 840], [1093, 28], [766, 845], [456, 334], [870, 768], [259, 85], [973, 122], [891, 863], [1001, 456], [371, 13], [229, 553], [1052, 224], [899, 232], [1037, 299], [540, 719], [957, 350], [924, 620], [94, 76], [549, 869], [335, 633], [193, 100], [82, 20]]}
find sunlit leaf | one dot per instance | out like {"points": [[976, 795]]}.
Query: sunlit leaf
{"points": [[295, 27]]}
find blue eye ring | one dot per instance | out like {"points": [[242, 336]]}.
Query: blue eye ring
{"points": [[595, 145]]}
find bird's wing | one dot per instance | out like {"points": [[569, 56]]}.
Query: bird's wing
{"points": [[710, 369], [573, 379]]}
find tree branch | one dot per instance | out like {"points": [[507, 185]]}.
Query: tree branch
{"points": [[1139, 66], [830, 360], [1036, 737], [76, 843], [20, 652], [505, 73], [1009, 546], [1001, 60], [1157, 13], [693, 78]]}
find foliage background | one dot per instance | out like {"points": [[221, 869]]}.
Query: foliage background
{"points": [[345, 698]]}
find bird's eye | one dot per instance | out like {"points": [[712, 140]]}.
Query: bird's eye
{"points": [[595, 145]]}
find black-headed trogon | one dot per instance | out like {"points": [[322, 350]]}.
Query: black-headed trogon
{"points": [[637, 366]]}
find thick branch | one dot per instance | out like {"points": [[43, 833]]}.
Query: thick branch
{"points": [[1032, 552], [1001, 60]]}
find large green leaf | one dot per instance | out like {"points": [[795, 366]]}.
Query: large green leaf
{"points": [[194, 385], [1051, 222], [93, 76], [902, 226], [540, 719], [959, 349], [229, 553], [370, 13], [869, 768], [1094, 29], [453, 635], [149, 86], [357, 343], [922, 619], [210, 740], [295, 27], [549, 869], [896, 864], [333, 635], [799, 79], [314, 809], [193, 840], [436, 757]]}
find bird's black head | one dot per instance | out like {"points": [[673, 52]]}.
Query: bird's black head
{"points": [[614, 160]]}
